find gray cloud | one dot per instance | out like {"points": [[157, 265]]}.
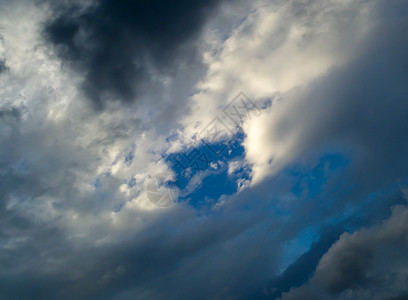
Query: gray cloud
{"points": [[368, 264], [120, 46], [62, 174]]}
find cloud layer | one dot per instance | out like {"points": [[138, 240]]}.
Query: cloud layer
{"points": [[318, 209]]}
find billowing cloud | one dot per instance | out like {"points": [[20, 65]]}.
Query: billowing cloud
{"points": [[120, 46], [297, 206], [354, 108]]}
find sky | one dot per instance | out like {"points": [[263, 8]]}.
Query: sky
{"points": [[218, 149]]}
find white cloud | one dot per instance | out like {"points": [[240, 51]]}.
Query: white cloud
{"points": [[278, 47]]}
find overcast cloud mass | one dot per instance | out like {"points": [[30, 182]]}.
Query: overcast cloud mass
{"points": [[211, 149]]}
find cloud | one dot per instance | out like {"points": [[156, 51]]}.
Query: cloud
{"points": [[367, 264], [118, 47], [75, 219], [276, 48], [354, 107]]}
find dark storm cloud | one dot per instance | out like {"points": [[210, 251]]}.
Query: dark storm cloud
{"points": [[116, 45]]}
